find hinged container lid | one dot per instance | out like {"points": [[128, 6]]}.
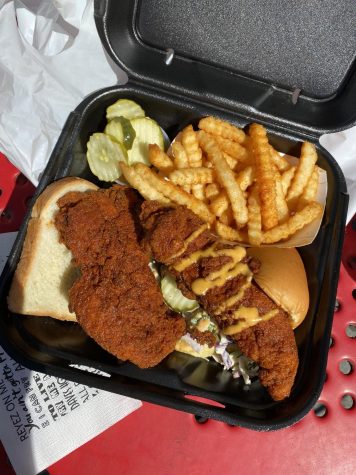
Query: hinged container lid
{"points": [[291, 63]]}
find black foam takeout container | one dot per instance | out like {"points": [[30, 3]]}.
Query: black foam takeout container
{"points": [[208, 77]]}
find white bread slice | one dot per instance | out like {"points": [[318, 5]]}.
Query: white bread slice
{"points": [[45, 272]]}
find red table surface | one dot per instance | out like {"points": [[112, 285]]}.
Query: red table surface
{"points": [[162, 441]]}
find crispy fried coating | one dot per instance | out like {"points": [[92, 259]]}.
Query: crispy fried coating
{"points": [[270, 343], [116, 299], [203, 338], [167, 227]]}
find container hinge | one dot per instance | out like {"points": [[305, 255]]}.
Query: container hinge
{"points": [[295, 95], [169, 56]]}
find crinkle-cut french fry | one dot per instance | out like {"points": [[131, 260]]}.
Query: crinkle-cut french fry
{"points": [[279, 161], [241, 181], [207, 164], [174, 193], [145, 189], [223, 218], [212, 190], [250, 162], [192, 176], [191, 146], [286, 179], [199, 191], [226, 177], [229, 160], [234, 149], [281, 203], [219, 127], [310, 190], [179, 155], [227, 217], [159, 159], [257, 130], [245, 178], [230, 234], [305, 167], [296, 222], [254, 224], [265, 176], [220, 204]]}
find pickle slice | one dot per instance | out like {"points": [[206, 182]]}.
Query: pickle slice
{"points": [[104, 155], [124, 108], [174, 297], [147, 132], [121, 130]]}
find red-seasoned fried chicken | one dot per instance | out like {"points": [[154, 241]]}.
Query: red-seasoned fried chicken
{"points": [[270, 343], [116, 299]]}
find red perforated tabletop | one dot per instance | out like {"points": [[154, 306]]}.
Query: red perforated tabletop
{"points": [[156, 440]]}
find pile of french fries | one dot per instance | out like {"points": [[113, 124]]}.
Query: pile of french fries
{"points": [[234, 181]]}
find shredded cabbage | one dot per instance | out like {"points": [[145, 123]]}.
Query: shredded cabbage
{"points": [[244, 366], [228, 355]]}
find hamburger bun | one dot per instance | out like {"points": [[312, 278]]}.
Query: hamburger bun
{"points": [[282, 277]]}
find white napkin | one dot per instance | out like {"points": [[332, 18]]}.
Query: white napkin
{"points": [[44, 418]]}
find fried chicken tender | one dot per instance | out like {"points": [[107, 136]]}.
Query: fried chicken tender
{"points": [[270, 343], [167, 227], [116, 299]]}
